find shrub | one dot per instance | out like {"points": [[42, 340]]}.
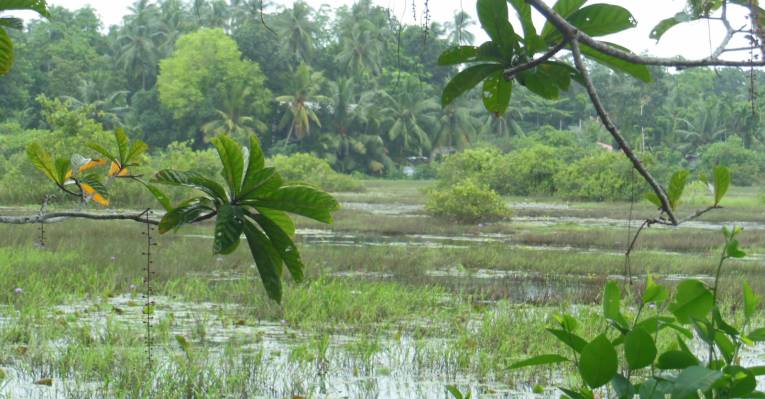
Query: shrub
{"points": [[529, 171], [745, 165], [472, 163], [604, 176], [467, 201], [310, 169]]}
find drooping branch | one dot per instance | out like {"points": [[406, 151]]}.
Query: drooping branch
{"points": [[569, 30], [55, 217], [615, 133]]}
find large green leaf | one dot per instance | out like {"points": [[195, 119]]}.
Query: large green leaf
{"points": [[654, 388], [539, 361], [639, 349], [232, 159], [623, 388], [598, 362], [43, 161], [283, 244], [666, 24], [458, 55], [572, 340], [193, 180], [282, 219], [492, 14], [123, 144], [564, 8], [741, 382], [466, 80], [266, 260], [538, 82], [751, 300], [39, 6], [533, 42], [228, 228], [676, 360], [617, 64], [184, 213], [137, 148], [260, 183], [722, 182], [255, 159], [676, 187], [654, 293], [103, 151], [302, 200], [602, 19], [692, 380], [612, 305], [692, 301], [161, 197], [496, 93]]}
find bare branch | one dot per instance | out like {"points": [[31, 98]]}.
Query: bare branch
{"points": [[61, 216], [615, 133]]}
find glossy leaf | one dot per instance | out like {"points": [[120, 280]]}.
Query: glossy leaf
{"points": [[43, 161], [492, 14], [602, 19], [184, 213], [228, 228], [741, 382], [137, 148], [255, 159], [466, 80], [539, 361], [539, 83], [598, 362], [123, 144], [668, 23], [639, 349], [260, 183], [722, 182], [458, 55], [692, 380], [232, 159], [623, 388], [640, 72], [496, 93], [161, 197], [564, 8], [265, 260], [612, 305], [192, 180], [103, 152], [654, 293], [676, 187], [732, 250], [283, 245], [676, 360], [530, 36], [282, 219], [692, 301], [302, 200], [572, 340]]}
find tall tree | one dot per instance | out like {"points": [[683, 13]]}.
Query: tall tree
{"points": [[458, 29], [297, 31], [302, 103]]}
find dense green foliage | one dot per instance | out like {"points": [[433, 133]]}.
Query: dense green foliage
{"points": [[467, 201], [313, 170], [343, 85]]}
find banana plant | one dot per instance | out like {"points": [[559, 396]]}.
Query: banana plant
{"points": [[255, 201]]}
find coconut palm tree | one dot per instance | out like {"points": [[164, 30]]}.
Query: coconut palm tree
{"points": [[139, 43], [234, 117], [458, 33], [297, 31], [361, 50], [302, 103], [457, 125]]}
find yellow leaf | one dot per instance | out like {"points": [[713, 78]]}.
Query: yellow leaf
{"points": [[117, 170], [91, 193], [68, 175], [92, 164]]}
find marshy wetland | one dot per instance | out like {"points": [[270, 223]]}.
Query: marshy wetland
{"points": [[396, 304]]}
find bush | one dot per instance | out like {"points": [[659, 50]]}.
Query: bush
{"points": [[467, 202], [472, 163], [745, 165], [604, 176], [529, 171], [310, 169]]}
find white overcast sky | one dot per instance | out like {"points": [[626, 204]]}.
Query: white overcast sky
{"points": [[689, 40]]}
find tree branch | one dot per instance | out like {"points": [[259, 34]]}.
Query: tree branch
{"points": [[511, 72], [55, 217], [569, 30], [615, 133]]}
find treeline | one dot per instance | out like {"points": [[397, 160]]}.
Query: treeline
{"points": [[352, 85]]}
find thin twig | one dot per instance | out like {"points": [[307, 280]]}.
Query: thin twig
{"points": [[511, 72]]}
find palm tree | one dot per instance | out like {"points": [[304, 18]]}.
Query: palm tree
{"points": [[297, 32], [233, 117], [302, 103], [139, 40], [457, 125], [707, 126], [361, 50], [109, 110], [458, 29], [407, 117]]}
